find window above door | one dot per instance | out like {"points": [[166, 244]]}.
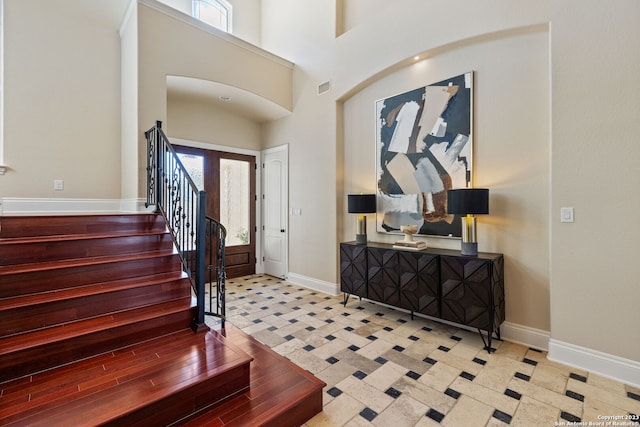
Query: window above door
{"points": [[217, 13]]}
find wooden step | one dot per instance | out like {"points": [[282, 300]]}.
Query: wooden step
{"points": [[96, 330], [50, 276], [55, 248], [34, 351], [32, 226], [36, 311], [280, 394], [157, 382]]}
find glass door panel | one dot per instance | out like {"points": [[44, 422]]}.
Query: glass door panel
{"points": [[194, 164], [234, 200]]}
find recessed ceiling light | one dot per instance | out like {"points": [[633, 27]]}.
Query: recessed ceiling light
{"points": [[225, 98], [416, 57]]}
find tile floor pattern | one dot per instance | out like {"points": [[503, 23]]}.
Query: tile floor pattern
{"points": [[384, 369]]}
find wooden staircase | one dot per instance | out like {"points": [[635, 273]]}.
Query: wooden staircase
{"points": [[95, 316]]}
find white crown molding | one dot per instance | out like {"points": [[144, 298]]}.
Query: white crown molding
{"points": [[314, 284], [604, 364]]}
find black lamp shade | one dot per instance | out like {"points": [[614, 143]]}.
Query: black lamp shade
{"points": [[466, 201], [362, 203]]}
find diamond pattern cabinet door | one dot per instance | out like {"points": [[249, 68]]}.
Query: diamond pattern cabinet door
{"points": [[467, 291], [353, 269], [383, 276], [419, 282]]}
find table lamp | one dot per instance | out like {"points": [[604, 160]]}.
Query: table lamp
{"points": [[361, 204], [468, 202]]}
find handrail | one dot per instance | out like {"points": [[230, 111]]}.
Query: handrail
{"points": [[199, 239]]}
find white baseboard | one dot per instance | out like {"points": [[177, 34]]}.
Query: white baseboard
{"points": [[36, 206], [525, 335], [135, 206], [314, 284], [604, 364], [520, 334]]}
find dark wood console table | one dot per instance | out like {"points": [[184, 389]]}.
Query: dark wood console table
{"points": [[468, 290]]}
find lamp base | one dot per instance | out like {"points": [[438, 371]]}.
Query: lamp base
{"points": [[361, 239], [469, 248]]}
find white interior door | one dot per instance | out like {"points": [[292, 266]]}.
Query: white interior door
{"points": [[275, 208]]}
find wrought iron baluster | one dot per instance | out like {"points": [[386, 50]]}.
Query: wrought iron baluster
{"points": [[176, 197]]}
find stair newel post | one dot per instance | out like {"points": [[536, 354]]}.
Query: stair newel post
{"points": [[199, 324], [159, 165]]}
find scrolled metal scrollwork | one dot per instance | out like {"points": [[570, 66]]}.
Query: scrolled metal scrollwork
{"points": [[200, 240]]}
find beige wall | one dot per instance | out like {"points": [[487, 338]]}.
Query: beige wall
{"points": [[511, 111], [129, 104], [199, 120], [310, 131], [555, 120], [167, 45], [247, 20], [246, 17], [571, 141], [356, 12], [61, 99], [594, 164]]}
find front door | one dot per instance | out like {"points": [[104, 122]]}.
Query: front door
{"points": [[229, 180]]}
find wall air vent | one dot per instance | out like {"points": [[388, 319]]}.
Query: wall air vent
{"points": [[324, 87]]}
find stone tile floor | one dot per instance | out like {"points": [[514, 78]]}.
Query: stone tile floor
{"points": [[384, 369]]}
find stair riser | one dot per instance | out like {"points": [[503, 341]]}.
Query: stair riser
{"points": [[26, 226], [25, 362], [39, 316], [68, 277], [188, 401], [32, 252]]}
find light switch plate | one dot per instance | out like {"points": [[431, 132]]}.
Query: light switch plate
{"points": [[566, 214]]}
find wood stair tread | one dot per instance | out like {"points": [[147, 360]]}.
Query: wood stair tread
{"points": [[85, 290], [23, 226], [78, 262], [79, 237], [82, 327], [121, 382], [280, 394], [45, 249]]}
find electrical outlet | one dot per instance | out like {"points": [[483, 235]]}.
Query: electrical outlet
{"points": [[58, 184], [566, 214]]}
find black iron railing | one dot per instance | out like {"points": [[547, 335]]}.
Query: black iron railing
{"points": [[199, 239]]}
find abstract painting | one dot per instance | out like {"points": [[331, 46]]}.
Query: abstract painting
{"points": [[424, 148]]}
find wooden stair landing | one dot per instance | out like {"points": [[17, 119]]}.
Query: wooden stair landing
{"points": [[150, 383]]}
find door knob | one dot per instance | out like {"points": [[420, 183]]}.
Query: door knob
{"points": [[282, 230]]}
